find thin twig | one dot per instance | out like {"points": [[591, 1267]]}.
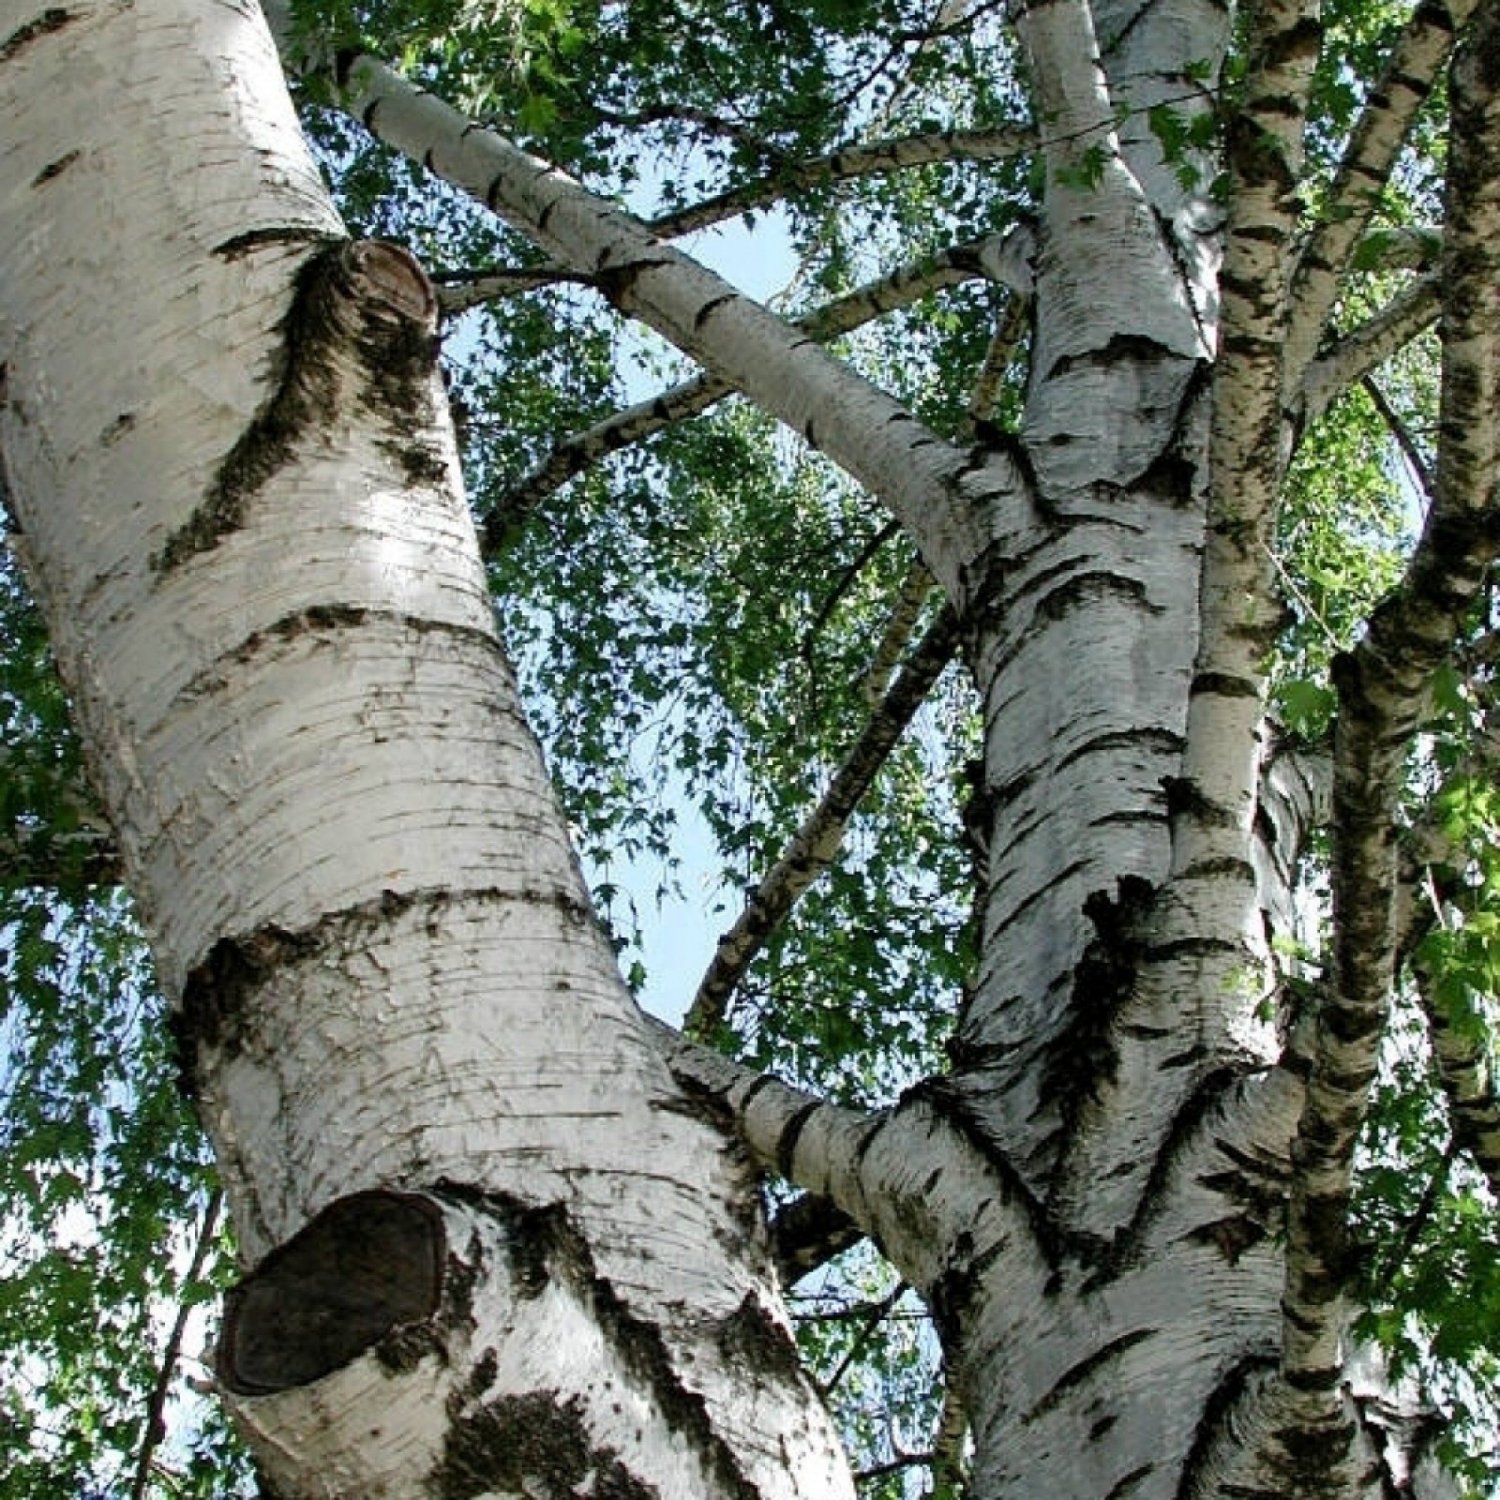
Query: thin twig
{"points": [[156, 1427], [817, 841]]}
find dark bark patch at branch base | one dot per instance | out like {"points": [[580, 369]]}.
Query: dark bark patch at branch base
{"points": [[368, 299], [1085, 1370], [366, 1271], [214, 996], [534, 1445], [751, 1336], [1083, 1054], [544, 1245], [304, 394]]}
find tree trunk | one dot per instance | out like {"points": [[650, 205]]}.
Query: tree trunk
{"points": [[500, 1236], [494, 1247]]}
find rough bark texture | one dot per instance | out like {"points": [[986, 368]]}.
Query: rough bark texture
{"points": [[500, 1230], [519, 1261]]}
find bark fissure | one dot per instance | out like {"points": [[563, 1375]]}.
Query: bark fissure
{"points": [[50, 21], [218, 996]]}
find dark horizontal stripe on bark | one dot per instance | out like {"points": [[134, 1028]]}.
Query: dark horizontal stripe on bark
{"points": [[215, 993], [330, 620]]}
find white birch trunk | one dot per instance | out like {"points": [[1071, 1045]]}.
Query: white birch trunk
{"points": [[530, 1267], [498, 1247]]}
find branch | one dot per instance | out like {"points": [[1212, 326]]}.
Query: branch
{"points": [[1415, 462], [948, 1466], [869, 159], [992, 257], [1408, 247], [1239, 614], [860, 427], [1382, 686], [155, 1429], [816, 843], [1468, 1078], [1369, 158], [1368, 346], [68, 863], [458, 291], [36, 852], [900, 625], [874, 1314], [985, 396], [905, 1176], [893, 1466]]}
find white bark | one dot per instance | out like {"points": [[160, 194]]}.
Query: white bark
{"points": [[401, 1023], [245, 528], [734, 337]]}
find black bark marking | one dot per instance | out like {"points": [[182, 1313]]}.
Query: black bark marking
{"points": [[1085, 1369], [326, 620], [54, 18], [55, 169], [1232, 1388], [304, 395], [237, 246], [1232, 1235], [1082, 1055], [536, 1444], [786, 1144], [214, 1011], [368, 300], [1128, 1482], [710, 307], [367, 1267], [545, 1245], [948, 1099], [1122, 348], [1157, 742], [753, 1339]]}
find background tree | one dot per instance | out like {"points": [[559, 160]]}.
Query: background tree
{"points": [[1129, 984]]}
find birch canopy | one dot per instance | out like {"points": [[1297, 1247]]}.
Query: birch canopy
{"points": [[992, 507]]}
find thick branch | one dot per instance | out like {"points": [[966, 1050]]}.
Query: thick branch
{"points": [[1468, 1079], [1382, 685], [864, 160], [1371, 154], [1367, 347], [952, 267], [1238, 613], [860, 427], [817, 841], [905, 1176]]}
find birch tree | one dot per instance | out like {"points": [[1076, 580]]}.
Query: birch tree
{"points": [[1129, 430]]}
